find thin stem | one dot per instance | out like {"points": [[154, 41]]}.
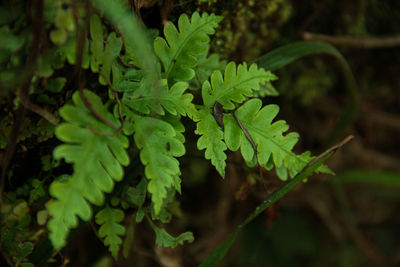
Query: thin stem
{"points": [[253, 144], [116, 98], [95, 113], [126, 65]]}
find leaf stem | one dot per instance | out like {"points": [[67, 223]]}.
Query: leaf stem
{"points": [[253, 144]]}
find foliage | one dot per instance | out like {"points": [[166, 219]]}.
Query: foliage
{"points": [[110, 229], [123, 142], [178, 56], [97, 163], [163, 239]]}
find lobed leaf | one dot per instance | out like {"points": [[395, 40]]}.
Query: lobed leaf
{"points": [[173, 100], [110, 229], [235, 86], [163, 239], [212, 140], [179, 49], [111, 51], [97, 162], [159, 146], [274, 148], [69, 204], [97, 43]]}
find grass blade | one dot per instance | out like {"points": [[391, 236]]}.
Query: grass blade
{"points": [[217, 255], [287, 54]]}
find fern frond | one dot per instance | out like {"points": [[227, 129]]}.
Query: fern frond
{"points": [[236, 84], [273, 147], [97, 161], [212, 140], [163, 239], [159, 146], [111, 51], [65, 209], [178, 52], [110, 229], [96, 44], [173, 100], [102, 56]]}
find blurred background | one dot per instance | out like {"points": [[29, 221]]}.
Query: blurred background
{"points": [[350, 219]]}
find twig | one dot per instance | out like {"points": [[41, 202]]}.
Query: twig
{"points": [[116, 98], [104, 134], [375, 116], [331, 149], [24, 89], [95, 113], [165, 11], [361, 42], [78, 74], [26, 102], [80, 41], [126, 65]]}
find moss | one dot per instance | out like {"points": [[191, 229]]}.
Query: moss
{"points": [[249, 26]]}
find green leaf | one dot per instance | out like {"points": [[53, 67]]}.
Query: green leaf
{"points": [[159, 146], [286, 54], [267, 90], [55, 85], [70, 52], [69, 204], [163, 239], [178, 52], [97, 162], [272, 144], [9, 42], [136, 195], [110, 229], [174, 100], [111, 52], [131, 80], [212, 140], [41, 217], [236, 84], [97, 43], [37, 191], [134, 34], [13, 244], [219, 253]]}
